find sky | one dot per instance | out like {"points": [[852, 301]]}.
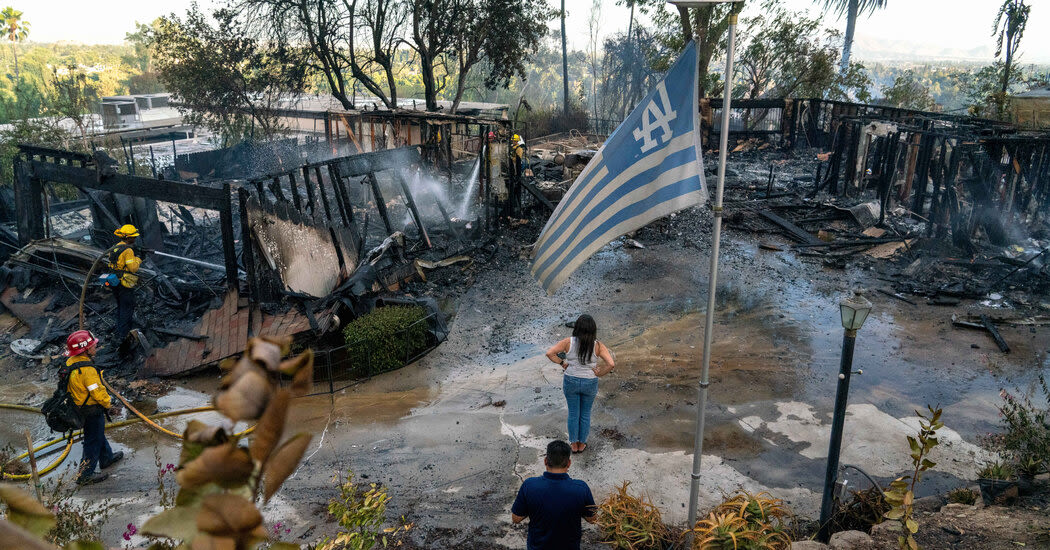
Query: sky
{"points": [[938, 29]]}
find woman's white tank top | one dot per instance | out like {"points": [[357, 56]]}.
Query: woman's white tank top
{"points": [[572, 359]]}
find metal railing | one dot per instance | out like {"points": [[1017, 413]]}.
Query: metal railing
{"points": [[603, 126]]}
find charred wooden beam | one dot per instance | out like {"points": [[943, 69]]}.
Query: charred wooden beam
{"points": [[795, 231], [990, 327], [275, 188], [342, 197], [380, 202], [528, 185], [229, 252], [186, 194], [324, 194], [294, 187], [857, 242], [400, 177], [261, 192], [28, 203], [248, 247], [311, 201], [364, 163], [70, 157]]}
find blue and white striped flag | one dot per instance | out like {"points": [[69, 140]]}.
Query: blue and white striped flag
{"points": [[648, 168]]}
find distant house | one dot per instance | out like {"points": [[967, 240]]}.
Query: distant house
{"points": [[138, 111], [1032, 108]]}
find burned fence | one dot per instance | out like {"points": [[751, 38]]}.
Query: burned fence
{"points": [[35, 167], [957, 173]]}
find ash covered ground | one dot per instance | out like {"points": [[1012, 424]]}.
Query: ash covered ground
{"points": [[453, 435]]}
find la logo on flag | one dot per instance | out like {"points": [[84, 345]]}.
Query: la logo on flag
{"points": [[653, 118], [648, 168]]}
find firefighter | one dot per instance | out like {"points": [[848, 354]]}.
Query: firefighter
{"points": [[123, 261], [85, 387], [517, 155]]}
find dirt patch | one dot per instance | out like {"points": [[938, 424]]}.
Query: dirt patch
{"points": [[613, 434], [974, 528], [729, 440]]}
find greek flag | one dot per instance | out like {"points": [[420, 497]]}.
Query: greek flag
{"points": [[648, 168]]}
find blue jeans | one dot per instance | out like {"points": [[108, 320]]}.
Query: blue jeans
{"points": [[96, 448], [579, 394]]}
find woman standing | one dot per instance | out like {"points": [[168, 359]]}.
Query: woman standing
{"points": [[580, 383]]}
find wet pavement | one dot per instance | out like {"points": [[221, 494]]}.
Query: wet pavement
{"points": [[452, 455]]}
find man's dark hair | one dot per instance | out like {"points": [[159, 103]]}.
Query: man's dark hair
{"points": [[558, 453]]}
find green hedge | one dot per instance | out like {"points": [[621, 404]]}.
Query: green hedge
{"points": [[386, 337]]}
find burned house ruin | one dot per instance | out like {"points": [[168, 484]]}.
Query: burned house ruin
{"points": [[258, 240]]}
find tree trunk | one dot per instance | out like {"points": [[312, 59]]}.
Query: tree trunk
{"points": [[634, 64], [706, 36], [847, 41], [564, 62], [391, 83], [1006, 65], [426, 66], [461, 83], [687, 29]]}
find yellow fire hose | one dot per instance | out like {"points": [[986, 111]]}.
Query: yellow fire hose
{"points": [[153, 424]]}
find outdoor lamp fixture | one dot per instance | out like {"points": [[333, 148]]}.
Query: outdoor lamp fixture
{"points": [[716, 232], [854, 311]]}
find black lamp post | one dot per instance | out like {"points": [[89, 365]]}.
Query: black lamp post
{"points": [[854, 311]]}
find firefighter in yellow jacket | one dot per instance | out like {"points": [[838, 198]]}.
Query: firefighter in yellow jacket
{"points": [[517, 155], [125, 264], [85, 387]]}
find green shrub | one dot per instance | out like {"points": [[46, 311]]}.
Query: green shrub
{"points": [[386, 337], [1026, 417], [963, 495], [361, 513]]}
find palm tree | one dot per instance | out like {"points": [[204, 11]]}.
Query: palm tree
{"points": [[564, 61], [17, 31], [1009, 26], [851, 9]]}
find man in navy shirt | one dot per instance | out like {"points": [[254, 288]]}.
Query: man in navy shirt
{"points": [[554, 503]]}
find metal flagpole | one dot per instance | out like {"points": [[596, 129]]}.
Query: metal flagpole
{"points": [[716, 208]]}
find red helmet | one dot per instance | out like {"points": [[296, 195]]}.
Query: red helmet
{"points": [[79, 342]]}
